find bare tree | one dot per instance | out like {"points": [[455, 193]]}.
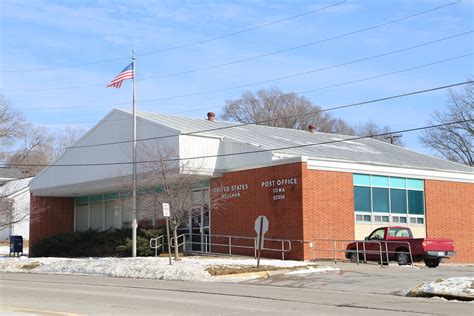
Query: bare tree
{"points": [[371, 129], [66, 139], [280, 109], [34, 152], [454, 142], [12, 125], [276, 108], [166, 179]]}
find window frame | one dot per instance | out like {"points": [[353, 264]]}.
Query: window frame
{"points": [[404, 218]]}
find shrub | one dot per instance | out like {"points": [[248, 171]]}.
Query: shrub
{"points": [[93, 243]]}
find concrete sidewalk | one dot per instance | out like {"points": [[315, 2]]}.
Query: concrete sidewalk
{"points": [[369, 278]]}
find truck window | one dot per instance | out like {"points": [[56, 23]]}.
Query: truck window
{"points": [[378, 234], [399, 232]]}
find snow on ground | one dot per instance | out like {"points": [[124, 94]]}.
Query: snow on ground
{"points": [[459, 286], [312, 270], [5, 250], [188, 268]]}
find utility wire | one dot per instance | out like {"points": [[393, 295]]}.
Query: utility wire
{"points": [[238, 61], [264, 81], [192, 43], [385, 74], [300, 92], [279, 118], [252, 151]]}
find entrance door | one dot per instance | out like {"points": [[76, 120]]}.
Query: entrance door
{"points": [[200, 231]]}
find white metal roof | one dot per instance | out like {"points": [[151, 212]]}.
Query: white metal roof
{"points": [[299, 143]]}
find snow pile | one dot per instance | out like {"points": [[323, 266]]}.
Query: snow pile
{"points": [[188, 268], [312, 270], [451, 287]]}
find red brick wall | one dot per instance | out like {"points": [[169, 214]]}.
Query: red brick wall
{"points": [[328, 208], [450, 214], [50, 216], [236, 216], [320, 205]]}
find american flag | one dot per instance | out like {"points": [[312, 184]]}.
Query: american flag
{"points": [[125, 74]]}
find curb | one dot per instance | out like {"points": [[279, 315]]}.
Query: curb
{"points": [[260, 274], [256, 275], [448, 296]]}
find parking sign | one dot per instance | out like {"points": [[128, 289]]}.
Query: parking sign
{"points": [[166, 209]]}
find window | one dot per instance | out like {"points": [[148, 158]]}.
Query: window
{"points": [[378, 234], [361, 179], [82, 218], [398, 200], [362, 199], [97, 215], [381, 219], [417, 220], [380, 200], [399, 232], [388, 199], [416, 202], [397, 182], [399, 219], [362, 218], [112, 215], [379, 181]]}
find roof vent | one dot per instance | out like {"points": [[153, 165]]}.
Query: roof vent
{"points": [[211, 116], [312, 128]]}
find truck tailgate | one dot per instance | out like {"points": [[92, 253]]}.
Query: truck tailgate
{"points": [[438, 244]]}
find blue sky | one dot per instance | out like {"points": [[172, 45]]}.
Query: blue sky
{"points": [[46, 34]]}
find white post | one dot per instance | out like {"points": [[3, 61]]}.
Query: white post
{"points": [[134, 181]]}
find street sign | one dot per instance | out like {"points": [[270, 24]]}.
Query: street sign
{"points": [[166, 214], [261, 227], [166, 209]]}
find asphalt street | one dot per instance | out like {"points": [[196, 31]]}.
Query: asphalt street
{"points": [[41, 294]]}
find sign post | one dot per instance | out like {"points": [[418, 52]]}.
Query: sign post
{"points": [[261, 227], [166, 214]]}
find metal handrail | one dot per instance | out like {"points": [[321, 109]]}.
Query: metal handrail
{"points": [[285, 244], [178, 237], [154, 243], [395, 252], [358, 251]]}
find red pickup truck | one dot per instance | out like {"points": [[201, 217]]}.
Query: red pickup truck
{"points": [[394, 243]]}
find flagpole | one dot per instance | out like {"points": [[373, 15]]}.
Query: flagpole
{"points": [[134, 185]]}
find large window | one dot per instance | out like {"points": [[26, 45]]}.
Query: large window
{"points": [[383, 199], [114, 210]]}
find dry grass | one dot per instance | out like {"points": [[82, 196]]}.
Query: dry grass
{"points": [[30, 266], [223, 270]]}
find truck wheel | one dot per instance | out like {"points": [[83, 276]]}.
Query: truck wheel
{"points": [[432, 262], [403, 258], [353, 257]]}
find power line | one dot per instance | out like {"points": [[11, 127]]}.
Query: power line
{"points": [[300, 92], [268, 80], [192, 43], [252, 151], [279, 118], [385, 74], [245, 59]]}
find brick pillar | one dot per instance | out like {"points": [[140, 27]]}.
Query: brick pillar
{"points": [[450, 214], [50, 216], [328, 210]]}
